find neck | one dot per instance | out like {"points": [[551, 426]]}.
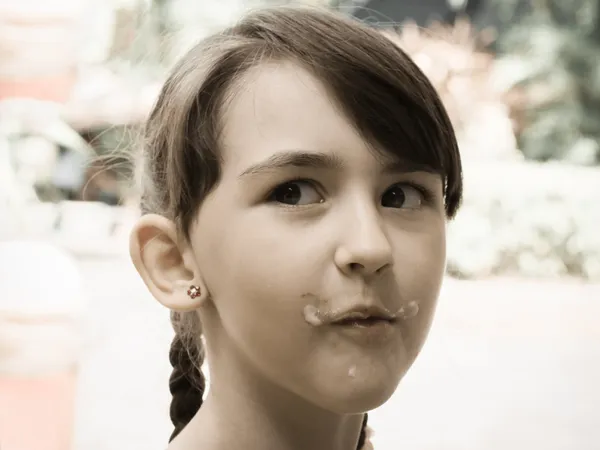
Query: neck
{"points": [[267, 427], [244, 411]]}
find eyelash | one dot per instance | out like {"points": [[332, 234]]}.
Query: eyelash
{"points": [[427, 194], [272, 192]]}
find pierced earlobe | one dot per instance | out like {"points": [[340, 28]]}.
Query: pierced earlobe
{"points": [[195, 296]]}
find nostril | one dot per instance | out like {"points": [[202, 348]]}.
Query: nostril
{"points": [[382, 268], [356, 266]]}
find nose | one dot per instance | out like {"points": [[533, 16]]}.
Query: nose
{"points": [[365, 249]]}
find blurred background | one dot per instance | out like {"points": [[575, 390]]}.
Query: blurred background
{"points": [[513, 360]]}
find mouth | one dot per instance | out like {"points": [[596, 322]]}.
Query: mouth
{"points": [[363, 322], [370, 328], [364, 318]]}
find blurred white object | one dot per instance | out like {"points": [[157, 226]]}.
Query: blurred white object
{"points": [[98, 30], [87, 221], [190, 20], [42, 301], [40, 46], [39, 35], [31, 132], [488, 134]]}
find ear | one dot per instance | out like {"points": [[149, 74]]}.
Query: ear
{"points": [[166, 263]]}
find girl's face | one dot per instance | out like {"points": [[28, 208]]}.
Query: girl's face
{"points": [[306, 215]]}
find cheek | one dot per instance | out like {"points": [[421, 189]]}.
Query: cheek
{"points": [[257, 275], [420, 258], [419, 270], [257, 252]]}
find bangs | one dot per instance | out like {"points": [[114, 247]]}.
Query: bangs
{"points": [[377, 86], [399, 113], [396, 123]]}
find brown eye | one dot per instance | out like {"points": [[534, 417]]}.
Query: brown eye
{"points": [[296, 193], [402, 196]]}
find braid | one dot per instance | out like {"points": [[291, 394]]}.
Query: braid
{"points": [[363, 440], [186, 383]]}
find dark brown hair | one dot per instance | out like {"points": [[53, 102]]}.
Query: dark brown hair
{"points": [[374, 83]]}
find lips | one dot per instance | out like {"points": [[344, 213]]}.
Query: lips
{"points": [[369, 331], [362, 321], [363, 316]]}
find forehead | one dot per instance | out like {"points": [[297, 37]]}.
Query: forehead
{"points": [[279, 106]]}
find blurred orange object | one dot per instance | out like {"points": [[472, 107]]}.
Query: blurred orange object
{"points": [[51, 88], [41, 297], [37, 413]]}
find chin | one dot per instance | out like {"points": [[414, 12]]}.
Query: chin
{"points": [[359, 402], [360, 393]]}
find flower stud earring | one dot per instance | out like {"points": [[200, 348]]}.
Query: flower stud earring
{"points": [[193, 292]]}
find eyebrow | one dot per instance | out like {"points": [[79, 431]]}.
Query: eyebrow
{"points": [[325, 161]]}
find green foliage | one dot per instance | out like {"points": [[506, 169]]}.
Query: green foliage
{"points": [[554, 52], [542, 223]]}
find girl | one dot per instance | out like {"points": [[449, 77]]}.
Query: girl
{"points": [[299, 170]]}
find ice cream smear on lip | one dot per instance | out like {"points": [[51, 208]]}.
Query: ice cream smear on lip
{"points": [[408, 311], [314, 317]]}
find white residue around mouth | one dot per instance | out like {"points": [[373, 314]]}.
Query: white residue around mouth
{"points": [[408, 311], [312, 315]]}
